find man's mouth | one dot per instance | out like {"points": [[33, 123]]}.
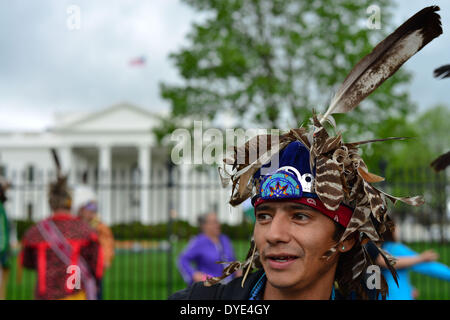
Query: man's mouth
{"points": [[280, 261], [282, 258]]}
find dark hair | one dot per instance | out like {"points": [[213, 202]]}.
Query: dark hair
{"points": [[344, 275], [346, 261], [338, 231], [201, 219], [59, 195], [388, 234]]}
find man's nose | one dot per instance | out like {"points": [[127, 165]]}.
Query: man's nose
{"points": [[279, 229]]}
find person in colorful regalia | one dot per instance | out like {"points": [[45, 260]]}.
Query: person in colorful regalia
{"points": [[63, 249]]}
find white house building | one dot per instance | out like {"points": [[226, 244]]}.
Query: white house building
{"points": [[117, 150]]}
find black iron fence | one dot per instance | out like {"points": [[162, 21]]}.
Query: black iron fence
{"points": [[152, 222]]}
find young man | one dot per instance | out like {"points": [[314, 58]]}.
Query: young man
{"points": [[300, 253], [64, 250], [291, 239], [317, 214]]}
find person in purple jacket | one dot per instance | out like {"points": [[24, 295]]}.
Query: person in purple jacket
{"points": [[199, 260]]}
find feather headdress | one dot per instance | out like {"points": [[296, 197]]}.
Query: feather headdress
{"points": [[385, 59], [441, 162], [341, 176], [442, 72], [59, 194]]}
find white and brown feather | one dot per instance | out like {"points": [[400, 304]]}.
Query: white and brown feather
{"points": [[341, 174]]}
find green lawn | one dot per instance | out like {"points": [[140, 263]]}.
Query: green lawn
{"points": [[133, 275], [145, 275], [430, 288]]}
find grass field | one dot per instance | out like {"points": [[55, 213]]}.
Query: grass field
{"points": [[430, 288], [133, 275], [145, 275]]}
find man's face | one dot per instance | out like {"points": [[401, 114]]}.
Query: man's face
{"points": [[291, 239]]}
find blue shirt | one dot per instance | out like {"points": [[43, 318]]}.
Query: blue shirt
{"points": [[405, 290]]}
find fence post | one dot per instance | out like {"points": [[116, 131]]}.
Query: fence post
{"points": [[170, 208], [442, 205]]}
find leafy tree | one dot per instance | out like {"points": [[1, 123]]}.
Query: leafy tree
{"points": [[408, 167], [268, 63], [430, 138]]}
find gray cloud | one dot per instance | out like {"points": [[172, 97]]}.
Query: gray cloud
{"points": [[47, 68]]}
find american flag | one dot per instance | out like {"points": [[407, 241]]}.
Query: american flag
{"points": [[139, 61]]}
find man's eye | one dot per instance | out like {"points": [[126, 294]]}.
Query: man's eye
{"points": [[301, 216], [263, 216]]}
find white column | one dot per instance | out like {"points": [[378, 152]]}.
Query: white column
{"points": [[144, 163], [105, 184], [105, 158]]}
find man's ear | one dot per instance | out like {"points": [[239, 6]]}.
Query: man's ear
{"points": [[347, 244]]}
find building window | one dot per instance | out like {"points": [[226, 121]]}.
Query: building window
{"points": [[30, 173], [2, 170], [30, 211]]}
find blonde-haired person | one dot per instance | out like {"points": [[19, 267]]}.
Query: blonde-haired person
{"points": [[85, 206]]}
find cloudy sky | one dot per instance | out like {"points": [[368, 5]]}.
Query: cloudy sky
{"points": [[46, 67]]}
